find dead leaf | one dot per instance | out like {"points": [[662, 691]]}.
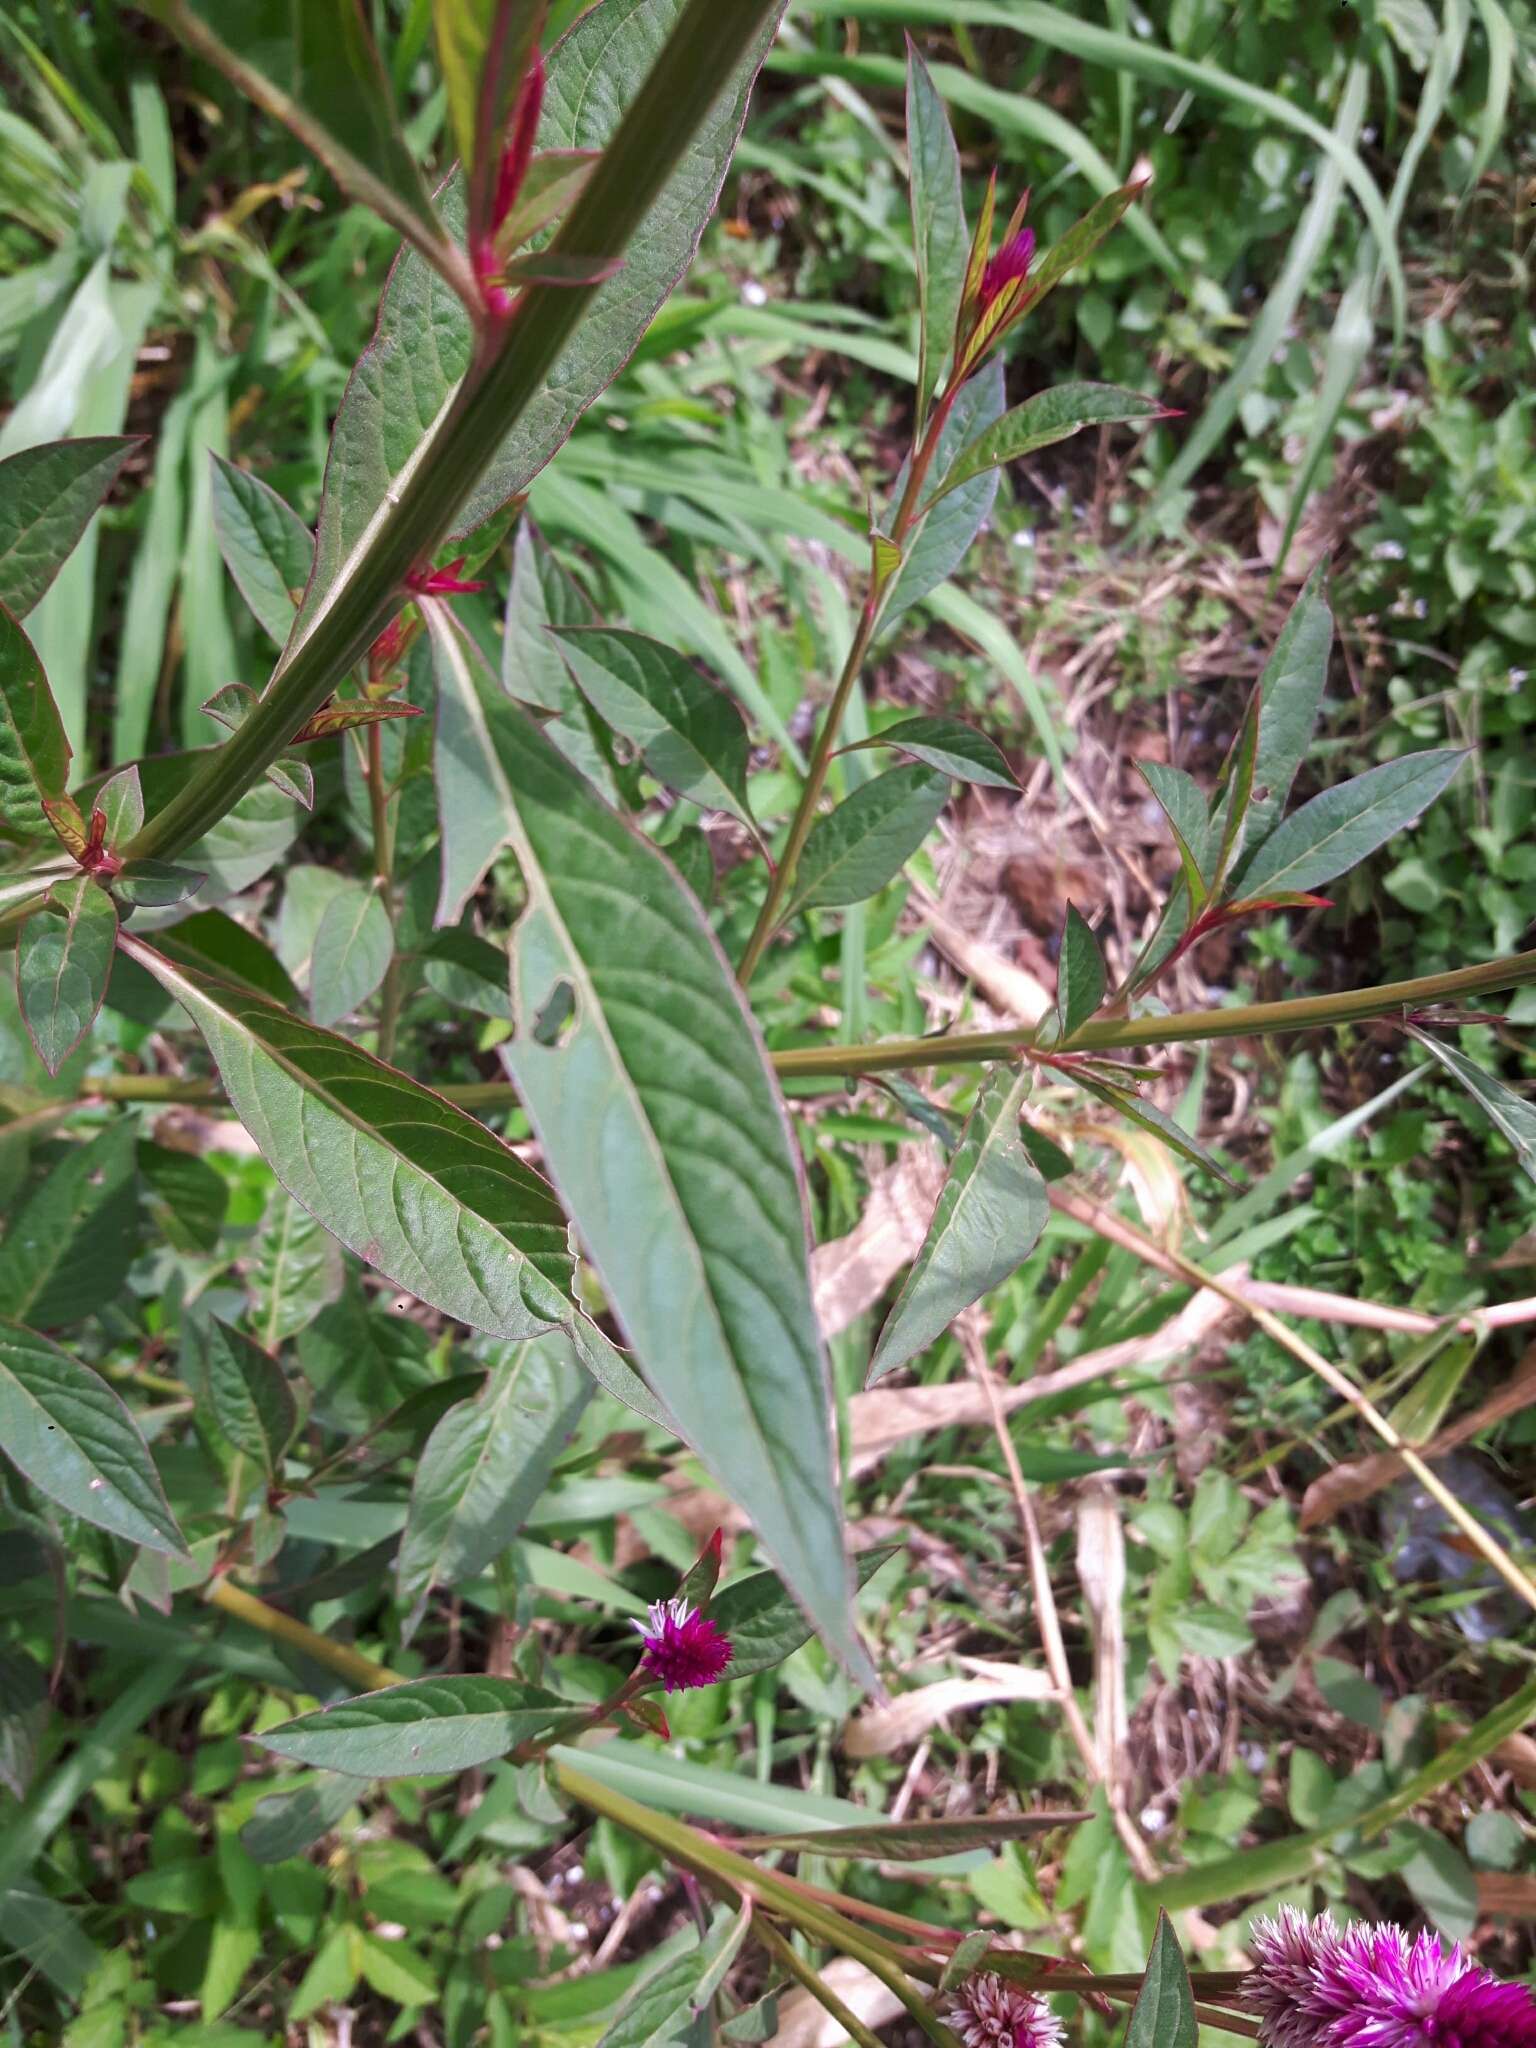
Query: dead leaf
{"points": [[805, 2023], [1101, 1574], [879, 1731], [1011, 990], [850, 1274], [1507, 1891]]}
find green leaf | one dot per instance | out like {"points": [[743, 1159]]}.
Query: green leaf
{"points": [[533, 669], [188, 1198], [65, 1430], [691, 735], [315, 69], [414, 1186], [938, 222], [34, 754], [1164, 2013], [419, 1729], [483, 48], [1336, 830], [249, 1396], [1290, 697], [63, 960], [212, 941], [855, 850], [353, 948], [764, 1621], [69, 1246], [1081, 977], [47, 496], [266, 546], [468, 972], [950, 745], [23, 1717], [1148, 1117], [1080, 241], [913, 1841], [297, 1273], [1049, 416], [990, 1213], [287, 1823], [1509, 1112], [935, 549], [156, 884], [1183, 804], [659, 2011], [485, 1464]]}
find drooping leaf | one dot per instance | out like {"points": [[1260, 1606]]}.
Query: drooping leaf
{"points": [[765, 1622], [1164, 2013], [267, 548], [950, 745], [937, 547], [1080, 989], [486, 1463], [1148, 1117], [419, 1729], [65, 1430], [1050, 416], [287, 1823], [70, 1244], [353, 948], [1183, 804], [990, 1213], [692, 736], [248, 1394], [34, 754], [855, 850], [1290, 696], [47, 496], [63, 961], [1508, 1112], [913, 1841], [411, 1184], [938, 222], [1337, 829]]}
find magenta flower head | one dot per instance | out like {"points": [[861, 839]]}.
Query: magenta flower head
{"points": [[1317, 1986], [683, 1648], [1010, 265], [989, 2012]]}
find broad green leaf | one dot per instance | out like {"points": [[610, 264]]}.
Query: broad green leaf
{"points": [[414, 1186], [68, 1248], [659, 2011], [1049, 416], [266, 546], [315, 68], [486, 1463], [951, 746], [120, 800], [187, 1197], [419, 1729], [533, 670], [297, 1272], [407, 375], [1290, 696], [913, 1841], [935, 549], [855, 850], [287, 1823], [47, 496], [1080, 987], [990, 1213], [468, 972], [1183, 804], [765, 1622], [34, 754], [353, 948], [212, 941], [1510, 1113], [1336, 830], [63, 960], [938, 222], [248, 1394], [23, 1717], [65, 1430], [1164, 2013], [691, 735], [647, 1085]]}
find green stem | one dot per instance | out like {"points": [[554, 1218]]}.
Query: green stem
{"points": [[786, 1958], [689, 75], [384, 870]]}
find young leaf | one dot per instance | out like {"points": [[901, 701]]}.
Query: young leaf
{"points": [[63, 960], [1290, 695], [913, 1841], [951, 746], [937, 547], [485, 1464], [1080, 241], [765, 1622], [353, 948], [855, 850], [991, 1211], [1049, 416], [691, 735], [266, 546], [1336, 830], [938, 223], [414, 1186], [1183, 804], [1164, 2013], [70, 1244], [34, 754], [553, 183], [483, 47], [120, 801], [1080, 988], [63, 1428], [1509, 1112], [47, 497], [248, 1394], [416, 1730]]}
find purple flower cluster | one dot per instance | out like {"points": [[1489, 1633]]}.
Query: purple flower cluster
{"points": [[1315, 1985], [683, 1648], [989, 2012]]}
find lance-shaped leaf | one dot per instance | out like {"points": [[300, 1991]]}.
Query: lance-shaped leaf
{"points": [[855, 850], [913, 1841], [1049, 416], [764, 1621], [266, 546], [990, 1213], [1183, 804], [342, 714], [63, 960], [691, 735], [1509, 1112], [248, 1395], [1336, 830], [316, 69], [414, 1186], [1290, 696], [1080, 988], [47, 496], [34, 754], [951, 746], [936, 547], [427, 1726], [646, 1082], [938, 222], [70, 1244], [353, 949], [485, 1464], [1164, 2013], [1148, 1117], [405, 378], [62, 1426]]}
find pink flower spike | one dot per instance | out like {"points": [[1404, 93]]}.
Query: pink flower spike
{"points": [[989, 2012], [1011, 263], [444, 582], [682, 1647]]}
